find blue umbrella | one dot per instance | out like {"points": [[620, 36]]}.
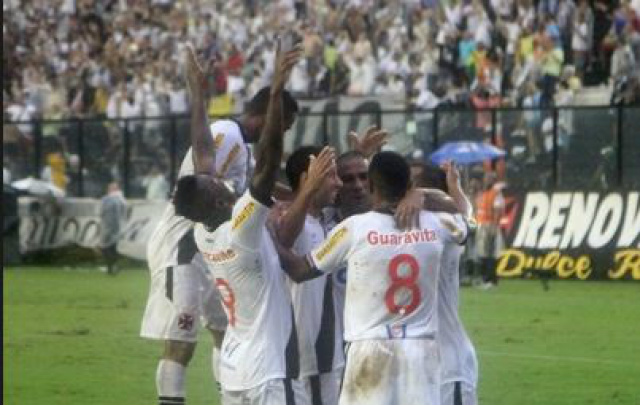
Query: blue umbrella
{"points": [[465, 153]]}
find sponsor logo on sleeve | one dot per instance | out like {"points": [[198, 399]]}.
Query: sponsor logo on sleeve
{"points": [[219, 138], [243, 215], [230, 158], [449, 225], [330, 244]]}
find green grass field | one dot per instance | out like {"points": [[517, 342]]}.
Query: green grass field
{"points": [[70, 337]]}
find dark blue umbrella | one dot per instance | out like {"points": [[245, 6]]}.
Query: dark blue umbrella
{"points": [[465, 153]]}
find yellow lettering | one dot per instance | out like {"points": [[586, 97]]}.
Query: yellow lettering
{"points": [[244, 214], [227, 163], [583, 267], [565, 267], [550, 260], [626, 261], [511, 263], [331, 243]]}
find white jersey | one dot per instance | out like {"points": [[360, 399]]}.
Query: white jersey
{"points": [[332, 219], [260, 343], [458, 357], [392, 274], [319, 336], [172, 242]]}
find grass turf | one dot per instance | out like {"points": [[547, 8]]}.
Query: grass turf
{"points": [[70, 337]]}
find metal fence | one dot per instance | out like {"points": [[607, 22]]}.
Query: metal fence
{"points": [[557, 148]]}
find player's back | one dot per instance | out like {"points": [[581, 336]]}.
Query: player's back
{"points": [[458, 357], [392, 278], [260, 343]]}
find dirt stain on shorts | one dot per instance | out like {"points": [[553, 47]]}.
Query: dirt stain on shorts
{"points": [[368, 373]]}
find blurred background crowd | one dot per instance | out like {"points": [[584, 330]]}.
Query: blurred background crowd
{"points": [[123, 58]]}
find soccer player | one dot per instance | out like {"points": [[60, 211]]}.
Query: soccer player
{"points": [[181, 290], [259, 353], [390, 308], [459, 364], [303, 226]]}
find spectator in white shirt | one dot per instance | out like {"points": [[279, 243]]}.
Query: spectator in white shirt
{"points": [[361, 76], [178, 103]]}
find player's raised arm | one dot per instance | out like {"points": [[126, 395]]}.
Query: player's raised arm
{"points": [[203, 147], [292, 221], [269, 148], [455, 190]]}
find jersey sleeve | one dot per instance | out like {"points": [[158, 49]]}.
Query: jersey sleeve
{"points": [[248, 221], [455, 228], [332, 253], [231, 154]]}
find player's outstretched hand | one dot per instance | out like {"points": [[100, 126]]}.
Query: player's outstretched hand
{"points": [[370, 143], [285, 61], [196, 78], [453, 175], [320, 167], [408, 212], [197, 75]]}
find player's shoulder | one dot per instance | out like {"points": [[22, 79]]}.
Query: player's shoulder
{"points": [[454, 224], [226, 131]]}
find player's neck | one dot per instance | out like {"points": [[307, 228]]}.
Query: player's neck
{"points": [[383, 206], [314, 210]]}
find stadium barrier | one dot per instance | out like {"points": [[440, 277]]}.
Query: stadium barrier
{"points": [[579, 235], [567, 148]]}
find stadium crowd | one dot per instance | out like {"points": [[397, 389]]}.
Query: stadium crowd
{"points": [[121, 59]]}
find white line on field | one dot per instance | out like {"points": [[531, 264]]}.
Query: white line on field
{"points": [[560, 358]]}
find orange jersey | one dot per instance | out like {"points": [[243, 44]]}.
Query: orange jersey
{"points": [[485, 203]]}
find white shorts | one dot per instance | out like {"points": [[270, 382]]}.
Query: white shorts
{"points": [[273, 392], [383, 372], [458, 393], [178, 297], [319, 389]]}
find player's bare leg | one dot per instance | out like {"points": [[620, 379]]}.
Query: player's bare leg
{"points": [[170, 376], [218, 337]]}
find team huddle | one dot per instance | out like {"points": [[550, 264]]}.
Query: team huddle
{"points": [[340, 288]]}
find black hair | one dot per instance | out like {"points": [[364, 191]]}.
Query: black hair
{"points": [[349, 155], [259, 103], [389, 174], [432, 176], [187, 199], [298, 163]]}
